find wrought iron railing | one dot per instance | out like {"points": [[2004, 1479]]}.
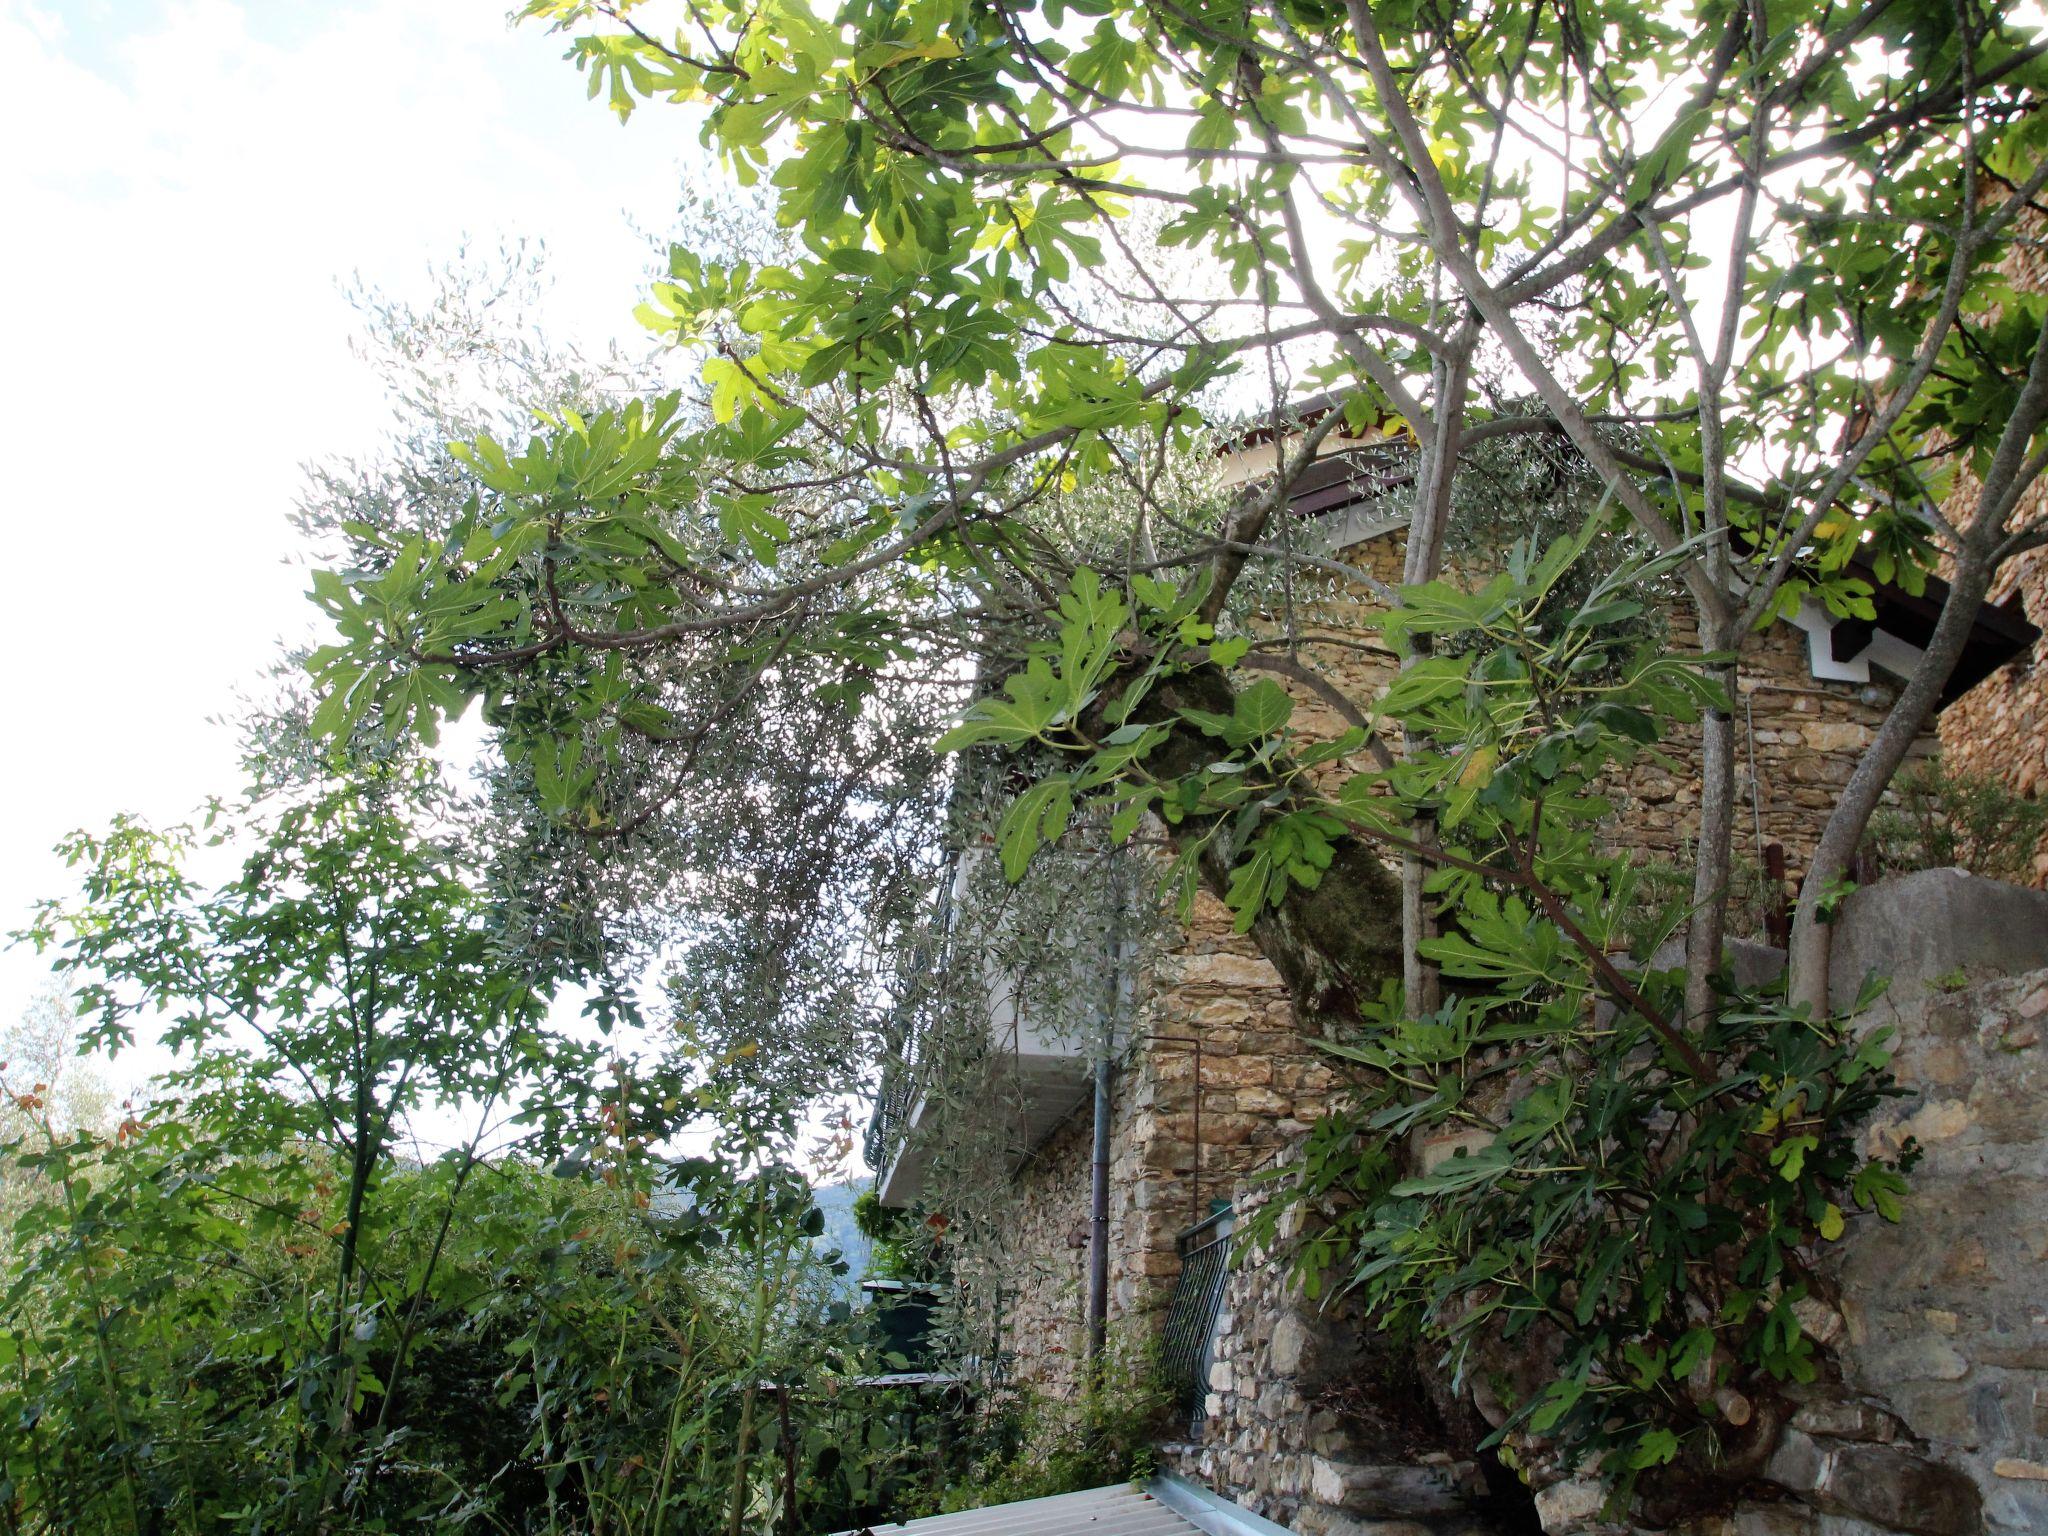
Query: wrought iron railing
{"points": [[896, 1096], [1191, 1310], [903, 1068]]}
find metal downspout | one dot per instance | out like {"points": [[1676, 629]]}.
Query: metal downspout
{"points": [[1098, 1214], [1098, 1194]]}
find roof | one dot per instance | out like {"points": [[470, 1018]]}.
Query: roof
{"points": [[1342, 486], [1343, 478], [1999, 633], [1163, 1506]]}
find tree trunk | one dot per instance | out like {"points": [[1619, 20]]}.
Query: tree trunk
{"points": [[1881, 759], [1332, 945], [1707, 927]]}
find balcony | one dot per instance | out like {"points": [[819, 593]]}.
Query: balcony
{"points": [[1042, 1069]]}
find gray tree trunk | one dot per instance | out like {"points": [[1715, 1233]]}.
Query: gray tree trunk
{"points": [[1866, 786]]}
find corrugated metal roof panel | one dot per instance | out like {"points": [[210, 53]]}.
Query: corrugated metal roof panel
{"points": [[1117, 1511], [1167, 1506]]}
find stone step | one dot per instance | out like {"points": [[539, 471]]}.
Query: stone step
{"points": [[1397, 1490]]}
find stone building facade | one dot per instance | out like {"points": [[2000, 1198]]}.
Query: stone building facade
{"points": [[1219, 1078], [1263, 1079], [2000, 728], [1937, 1419]]}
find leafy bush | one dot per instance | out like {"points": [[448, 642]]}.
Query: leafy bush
{"points": [[247, 1308], [1613, 1257], [1938, 819], [1038, 1444], [535, 1354]]}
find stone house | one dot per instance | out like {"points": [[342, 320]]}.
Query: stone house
{"points": [[1214, 1079], [2000, 729]]}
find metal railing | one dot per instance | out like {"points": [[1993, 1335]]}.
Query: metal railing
{"points": [[896, 1097], [1191, 1310], [903, 1067]]}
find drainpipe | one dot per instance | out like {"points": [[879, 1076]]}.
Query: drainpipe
{"points": [[1098, 1214], [1098, 1195]]}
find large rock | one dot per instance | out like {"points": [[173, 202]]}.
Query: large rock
{"points": [[1566, 1506], [1928, 926], [1895, 1488], [1892, 1488], [1392, 1490], [1749, 963]]}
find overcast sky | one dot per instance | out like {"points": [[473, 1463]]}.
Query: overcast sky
{"points": [[186, 186]]}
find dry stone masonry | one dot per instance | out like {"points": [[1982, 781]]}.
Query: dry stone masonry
{"points": [[1263, 1079], [1937, 1425], [1937, 1422], [1999, 729]]}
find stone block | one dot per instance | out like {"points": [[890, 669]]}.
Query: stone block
{"points": [[1290, 1345], [1227, 973], [1438, 1148], [1263, 1102], [1229, 1130], [1240, 1071], [1921, 1358], [1893, 1487], [1836, 736], [1845, 1421], [1918, 927], [1799, 1464], [1818, 1321], [1567, 1505], [1391, 1490], [2011, 1508]]}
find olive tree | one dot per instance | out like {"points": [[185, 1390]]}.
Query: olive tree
{"points": [[1745, 260]]}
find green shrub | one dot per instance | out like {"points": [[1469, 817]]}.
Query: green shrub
{"points": [[573, 1359], [1659, 900], [1939, 819], [1039, 1444], [1614, 1249]]}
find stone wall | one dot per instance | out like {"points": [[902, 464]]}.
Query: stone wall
{"points": [[1940, 1422], [1798, 737], [2000, 728], [1275, 1436], [1043, 1265], [1262, 1081], [1934, 1420]]}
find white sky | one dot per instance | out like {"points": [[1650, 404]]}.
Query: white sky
{"points": [[185, 186]]}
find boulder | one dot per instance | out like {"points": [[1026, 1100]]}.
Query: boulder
{"points": [[1930, 925], [1395, 1491]]}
